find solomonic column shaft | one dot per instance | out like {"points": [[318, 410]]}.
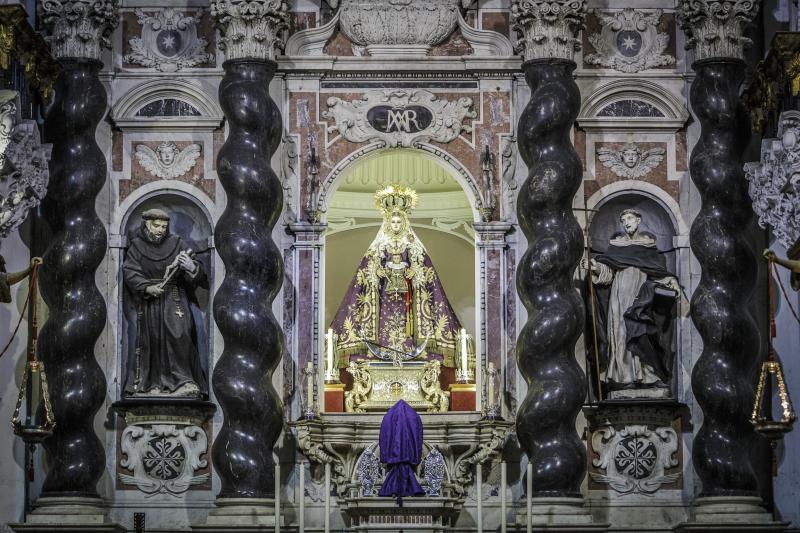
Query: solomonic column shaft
{"points": [[546, 346], [253, 413], [77, 312], [722, 378]]}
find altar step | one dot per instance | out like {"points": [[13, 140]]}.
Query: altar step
{"points": [[427, 514]]}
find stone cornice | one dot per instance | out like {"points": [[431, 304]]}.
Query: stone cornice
{"points": [[79, 28], [548, 29], [250, 29], [715, 28]]}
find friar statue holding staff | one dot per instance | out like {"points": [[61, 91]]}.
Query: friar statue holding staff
{"points": [[635, 296], [161, 273]]}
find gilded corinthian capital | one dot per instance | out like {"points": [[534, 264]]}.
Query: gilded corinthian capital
{"points": [[79, 28], [548, 28], [715, 28], [250, 28]]}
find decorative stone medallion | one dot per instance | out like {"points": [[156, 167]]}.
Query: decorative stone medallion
{"points": [[775, 181], [629, 41], [635, 458], [399, 118], [169, 41], [164, 457]]}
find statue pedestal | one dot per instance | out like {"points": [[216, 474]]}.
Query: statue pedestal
{"points": [[334, 397], [78, 515], [159, 425], [462, 397]]}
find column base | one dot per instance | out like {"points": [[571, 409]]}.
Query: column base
{"points": [[55, 514], [567, 515], [730, 513], [240, 515]]}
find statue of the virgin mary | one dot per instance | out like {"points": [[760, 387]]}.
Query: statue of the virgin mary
{"points": [[396, 299]]}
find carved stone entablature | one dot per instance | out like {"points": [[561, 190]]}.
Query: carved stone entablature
{"points": [[251, 28], [340, 440], [398, 27], [79, 28], [400, 118], [629, 41], [164, 444], [169, 41], [24, 171], [635, 445], [715, 28], [548, 28], [775, 181]]}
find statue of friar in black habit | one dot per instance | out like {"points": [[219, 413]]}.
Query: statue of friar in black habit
{"points": [[162, 275], [635, 296]]}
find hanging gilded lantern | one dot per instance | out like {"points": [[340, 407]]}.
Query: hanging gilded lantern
{"points": [[762, 418], [765, 424], [34, 383]]}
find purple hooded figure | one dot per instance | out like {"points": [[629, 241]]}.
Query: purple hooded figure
{"points": [[401, 450]]}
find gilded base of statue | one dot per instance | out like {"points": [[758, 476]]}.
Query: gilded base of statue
{"points": [[378, 385]]}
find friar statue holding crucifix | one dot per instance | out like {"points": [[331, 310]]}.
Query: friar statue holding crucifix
{"points": [[634, 302], [161, 273]]}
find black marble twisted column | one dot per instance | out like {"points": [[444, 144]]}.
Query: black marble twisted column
{"points": [[722, 379], [77, 311], [253, 419], [546, 346]]}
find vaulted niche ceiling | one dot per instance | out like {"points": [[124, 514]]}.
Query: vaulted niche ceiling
{"points": [[440, 195]]}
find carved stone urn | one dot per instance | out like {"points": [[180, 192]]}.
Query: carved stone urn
{"points": [[404, 28]]}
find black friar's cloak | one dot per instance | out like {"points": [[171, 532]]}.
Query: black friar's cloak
{"points": [[649, 320], [166, 355]]}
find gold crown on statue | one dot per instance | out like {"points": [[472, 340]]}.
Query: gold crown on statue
{"points": [[396, 198]]}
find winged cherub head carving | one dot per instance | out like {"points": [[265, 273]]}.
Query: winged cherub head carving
{"points": [[166, 161], [631, 162]]}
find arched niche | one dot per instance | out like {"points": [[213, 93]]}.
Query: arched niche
{"points": [[191, 221], [656, 220]]}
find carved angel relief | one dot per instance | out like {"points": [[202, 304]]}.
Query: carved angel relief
{"points": [[167, 162], [631, 162]]}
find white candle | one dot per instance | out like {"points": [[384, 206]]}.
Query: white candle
{"points": [[277, 497], [478, 491], [529, 497], [464, 363], [327, 498], [502, 496], [329, 336], [310, 385], [490, 400], [301, 514]]}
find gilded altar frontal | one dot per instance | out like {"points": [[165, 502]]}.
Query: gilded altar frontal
{"points": [[443, 266]]}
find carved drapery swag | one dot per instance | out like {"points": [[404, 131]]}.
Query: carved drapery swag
{"points": [[548, 29], [80, 28], [251, 28], [715, 28]]}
